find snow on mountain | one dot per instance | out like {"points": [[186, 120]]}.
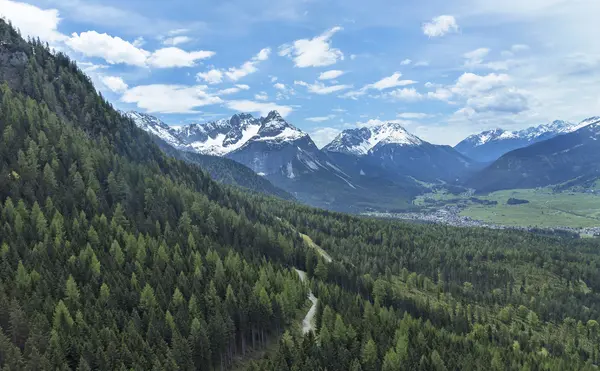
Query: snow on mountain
{"points": [[589, 121], [491, 144], [360, 141], [221, 137]]}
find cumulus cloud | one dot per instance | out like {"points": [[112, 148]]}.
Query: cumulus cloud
{"points": [[442, 94], [233, 90], [118, 51], [491, 93], [315, 52], [321, 89], [159, 98], [406, 62], [405, 94], [33, 21], [213, 76], [175, 57], [508, 101], [389, 82], [280, 86], [262, 108], [439, 26], [262, 96], [114, 83], [112, 49], [176, 40], [330, 75], [324, 136]]}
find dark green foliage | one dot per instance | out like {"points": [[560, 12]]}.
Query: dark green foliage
{"points": [[516, 201]]}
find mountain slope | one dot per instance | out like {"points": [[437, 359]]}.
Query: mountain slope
{"points": [[289, 159], [490, 145], [556, 160], [392, 148], [221, 169]]}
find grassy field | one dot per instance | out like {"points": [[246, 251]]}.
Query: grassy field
{"points": [[545, 208]]}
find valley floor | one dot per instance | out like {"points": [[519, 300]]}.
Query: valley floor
{"points": [[577, 212]]}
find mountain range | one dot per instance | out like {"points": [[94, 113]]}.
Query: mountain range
{"points": [[572, 157], [490, 145], [363, 166], [379, 167]]}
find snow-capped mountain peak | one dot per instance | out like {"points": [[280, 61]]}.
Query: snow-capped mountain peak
{"points": [[362, 140], [155, 126], [595, 120], [275, 128]]}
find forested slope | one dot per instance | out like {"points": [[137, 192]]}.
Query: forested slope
{"points": [[115, 256]]}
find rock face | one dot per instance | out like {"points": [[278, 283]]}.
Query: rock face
{"points": [[489, 145], [571, 157], [392, 148]]}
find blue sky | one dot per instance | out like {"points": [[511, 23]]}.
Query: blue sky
{"points": [[445, 69]]}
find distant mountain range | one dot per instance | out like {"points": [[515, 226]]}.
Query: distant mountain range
{"points": [[361, 168], [489, 145], [377, 167], [573, 157]]}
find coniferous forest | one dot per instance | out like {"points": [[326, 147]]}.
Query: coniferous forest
{"points": [[115, 256]]}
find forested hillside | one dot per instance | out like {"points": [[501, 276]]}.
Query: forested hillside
{"points": [[114, 256]]}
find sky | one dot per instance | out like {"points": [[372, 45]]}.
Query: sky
{"points": [[444, 69]]}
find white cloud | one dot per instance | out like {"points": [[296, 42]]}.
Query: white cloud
{"points": [[321, 89], [112, 49], [475, 57], [439, 26], [115, 50], [280, 86], [315, 52], [213, 76], [139, 42], [263, 55], [175, 57], [320, 118], [330, 75], [405, 94], [389, 82], [114, 83], [263, 96], [262, 108], [273, 78], [160, 98], [324, 136], [422, 64], [233, 90], [413, 115], [507, 101], [177, 40], [472, 84], [442, 94], [354, 94], [250, 66], [406, 62], [33, 21]]}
